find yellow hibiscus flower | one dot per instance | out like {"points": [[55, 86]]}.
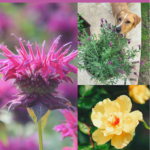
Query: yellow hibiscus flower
{"points": [[115, 122], [139, 93]]}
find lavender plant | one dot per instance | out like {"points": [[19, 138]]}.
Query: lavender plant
{"points": [[105, 56]]}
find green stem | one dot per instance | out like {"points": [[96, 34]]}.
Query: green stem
{"points": [[40, 135]]}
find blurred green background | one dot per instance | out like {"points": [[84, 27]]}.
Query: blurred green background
{"points": [[88, 97], [37, 22]]}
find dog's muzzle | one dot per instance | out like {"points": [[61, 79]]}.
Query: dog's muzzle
{"points": [[118, 29]]}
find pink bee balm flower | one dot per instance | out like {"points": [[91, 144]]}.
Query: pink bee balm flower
{"points": [[75, 143], [109, 62], [69, 125], [69, 128], [110, 44], [38, 76]]}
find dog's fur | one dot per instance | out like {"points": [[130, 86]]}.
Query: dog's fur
{"points": [[124, 19]]}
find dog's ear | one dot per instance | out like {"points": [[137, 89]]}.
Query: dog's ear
{"points": [[137, 20]]}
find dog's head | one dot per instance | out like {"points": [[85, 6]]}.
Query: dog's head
{"points": [[126, 21]]}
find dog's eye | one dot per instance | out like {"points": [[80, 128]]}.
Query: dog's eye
{"points": [[127, 21], [119, 19]]}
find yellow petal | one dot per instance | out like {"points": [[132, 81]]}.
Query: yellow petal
{"points": [[99, 108], [97, 113], [109, 106], [99, 138], [121, 141], [97, 119], [131, 121], [125, 103]]}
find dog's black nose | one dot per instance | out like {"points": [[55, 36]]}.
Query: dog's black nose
{"points": [[118, 29]]}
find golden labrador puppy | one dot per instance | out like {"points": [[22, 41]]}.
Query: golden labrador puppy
{"points": [[124, 19]]}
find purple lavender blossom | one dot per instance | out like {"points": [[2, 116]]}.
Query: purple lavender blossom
{"points": [[129, 57], [78, 42], [109, 26], [109, 62], [113, 30], [128, 41], [143, 63], [121, 52], [121, 65], [102, 24], [139, 46], [123, 72], [138, 61], [110, 44], [136, 74], [89, 39], [120, 35], [119, 47], [105, 20], [134, 67], [120, 58], [38, 76], [102, 19]]}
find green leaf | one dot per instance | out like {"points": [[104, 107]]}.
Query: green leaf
{"points": [[146, 126], [32, 114], [43, 119], [83, 127], [85, 147], [85, 90], [102, 147], [3, 133]]}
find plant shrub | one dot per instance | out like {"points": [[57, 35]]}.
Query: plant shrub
{"points": [[81, 25], [106, 56]]}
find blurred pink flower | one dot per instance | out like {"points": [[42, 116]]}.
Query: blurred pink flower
{"points": [[122, 52], [7, 92], [69, 91], [70, 124], [5, 22], [75, 143], [57, 18], [20, 144]]}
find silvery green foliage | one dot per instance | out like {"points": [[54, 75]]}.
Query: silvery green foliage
{"points": [[106, 56]]}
